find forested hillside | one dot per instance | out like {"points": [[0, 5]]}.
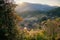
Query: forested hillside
{"points": [[8, 19], [29, 25], [55, 12]]}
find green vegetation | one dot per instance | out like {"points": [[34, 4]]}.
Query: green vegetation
{"points": [[32, 35], [50, 31], [55, 12], [9, 29], [52, 28]]}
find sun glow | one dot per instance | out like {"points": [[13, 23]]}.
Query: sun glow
{"points": [[49, 2], [20, 2]]}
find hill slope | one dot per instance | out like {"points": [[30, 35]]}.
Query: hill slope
{"points": [[32, 7]]}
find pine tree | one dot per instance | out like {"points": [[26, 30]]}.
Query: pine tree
{"points": [[8, 28]]}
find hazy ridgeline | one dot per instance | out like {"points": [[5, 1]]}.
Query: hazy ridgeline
{"points": [[40, 25]]}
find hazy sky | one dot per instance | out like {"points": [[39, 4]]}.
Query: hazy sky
{"points": [[49, 2]]}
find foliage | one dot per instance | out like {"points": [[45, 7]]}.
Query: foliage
{"points": [[8, 26], [52, 27], [55, 12], [32, 35]]}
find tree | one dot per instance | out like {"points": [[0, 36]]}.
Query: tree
{"points": [[8, 28], [52, 28]]}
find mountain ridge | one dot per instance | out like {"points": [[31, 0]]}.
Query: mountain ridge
{"points": [[33, 7]]}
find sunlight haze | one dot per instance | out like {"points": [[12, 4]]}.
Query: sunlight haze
{"points": [[49, 2]]}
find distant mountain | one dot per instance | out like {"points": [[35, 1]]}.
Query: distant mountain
{"points": [[32, 7], [30, 11], [54, 12], [34, 14]]}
